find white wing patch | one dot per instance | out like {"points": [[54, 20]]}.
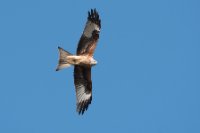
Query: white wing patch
{"points": [[81, 95], [90, 27]]}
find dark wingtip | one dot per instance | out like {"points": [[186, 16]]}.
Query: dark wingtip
{"points": [[83, 106], [93, 16]]}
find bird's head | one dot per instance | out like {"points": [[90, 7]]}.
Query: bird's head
{"points": [[93, 62]]}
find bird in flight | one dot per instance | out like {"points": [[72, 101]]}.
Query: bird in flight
{"points": [[83, 61]]}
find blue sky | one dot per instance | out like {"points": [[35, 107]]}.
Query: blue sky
{"points": [[146, 80]]}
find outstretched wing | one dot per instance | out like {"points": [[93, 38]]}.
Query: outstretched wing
{"points": [[90, 36], [82, 74], [83, 84]]}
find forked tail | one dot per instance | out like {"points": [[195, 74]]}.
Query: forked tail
{"points": [[62, 63]]}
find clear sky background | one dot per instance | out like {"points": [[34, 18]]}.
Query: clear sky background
{"points": [[147, 79]]}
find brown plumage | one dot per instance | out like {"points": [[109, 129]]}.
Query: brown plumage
{"points": [[83, 61]]}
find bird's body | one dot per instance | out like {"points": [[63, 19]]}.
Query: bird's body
{"points": [[83, 61]]}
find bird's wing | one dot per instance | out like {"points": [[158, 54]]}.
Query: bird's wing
{"points": [[90, 36], [83, 86]]}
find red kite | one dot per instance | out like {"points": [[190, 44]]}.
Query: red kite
{"points": [[83, 61]]}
